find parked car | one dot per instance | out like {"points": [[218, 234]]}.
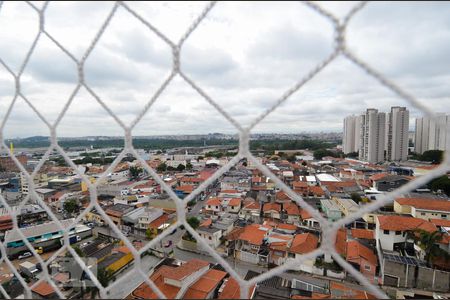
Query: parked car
{"points": [[25, 255]]}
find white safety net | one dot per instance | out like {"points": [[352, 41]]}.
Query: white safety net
{"points": [[329, 229]]}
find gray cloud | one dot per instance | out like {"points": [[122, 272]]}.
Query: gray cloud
{"points": [[245, 56]]}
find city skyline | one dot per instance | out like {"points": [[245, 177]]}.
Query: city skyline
{"points": [[253, 57]]}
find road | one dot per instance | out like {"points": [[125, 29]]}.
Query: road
{"points": [[6, 273]]}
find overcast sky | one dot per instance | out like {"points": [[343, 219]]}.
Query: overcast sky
{"points": [[244, 55]]}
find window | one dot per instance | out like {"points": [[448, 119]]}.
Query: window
{"points": [[443, 216], [210, 238], [398, 232], [422, 214], [386, 231], [366, 267]]}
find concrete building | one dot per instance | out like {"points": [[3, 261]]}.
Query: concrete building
{"points": [[397, 134], [352, 134], [431, 133], [373, 126]]}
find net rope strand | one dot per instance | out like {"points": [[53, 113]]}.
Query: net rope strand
{"points": [[329, 229]]}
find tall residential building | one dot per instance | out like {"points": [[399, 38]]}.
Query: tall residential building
{"points": [[431, 133], [397, 134], [352, 134], [373, 131]]}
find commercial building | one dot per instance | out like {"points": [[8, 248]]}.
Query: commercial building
{"points": [[43, 235]]}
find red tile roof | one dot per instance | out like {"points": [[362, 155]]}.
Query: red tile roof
{"points": [[159, 221], [205, 284], [187, 269], [363, 233], [347, 292], [213, 201], [43, 289], [145, 292], [356, 250], [316, 190], [253, 234], [282, 196], [232, 290], [378, 176], [440, 222], [341, 241], [235, 202], [292, 209], [191, 179], [299, 184], [425, 203], [286, 226], [185, 188], [304, 243], [400, 223], [272, 206], [304, 214]]}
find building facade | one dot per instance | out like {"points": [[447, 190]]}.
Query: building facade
{"points": [[431, 133], [373, 131], [397, 134], [352, 134]]}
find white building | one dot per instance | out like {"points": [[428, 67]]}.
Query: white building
{"points": [[373, 131], [397, 134], [431, 133], [351, 139]]}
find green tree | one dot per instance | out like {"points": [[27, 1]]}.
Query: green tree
{"points": [[104, 276], [78, 250], [441, 183], [320, 153], [435, 156], [149, 234], [181, 168], [356, 197], [189, 166], [71, 206], [352, 154], [194, 222], [162, 167], [428, 242], [135, 171]]}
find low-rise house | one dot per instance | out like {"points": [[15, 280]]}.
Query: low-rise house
{"points": [[292, 212], [213, 205], [391, 231], [272, 210], [331, 210], [423, 208], [347, 206], [187, 180], [211, 235], [193, 279], [231, 289], [308, 220], [250, 209], [389, 183], [363, 258], [233, 205], [250, 246]]}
